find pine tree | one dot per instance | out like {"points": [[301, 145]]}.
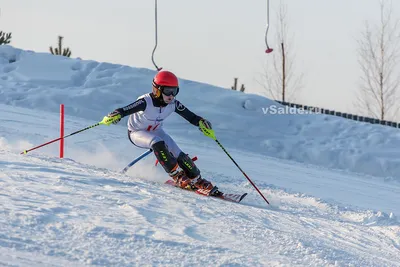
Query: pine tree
{"points": [[5, 38], [60, 51]]}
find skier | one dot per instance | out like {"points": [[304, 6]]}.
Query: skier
{"points": [[146, 116]]}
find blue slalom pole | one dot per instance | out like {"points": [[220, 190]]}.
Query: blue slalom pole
{"points": [[136, 160]]}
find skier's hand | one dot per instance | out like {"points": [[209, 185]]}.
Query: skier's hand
{"points": [[206, 124], [206, 128], [113, 117]]}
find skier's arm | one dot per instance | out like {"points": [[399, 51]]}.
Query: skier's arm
{"points": [[138, 105], [190, 116], [186, 113]]}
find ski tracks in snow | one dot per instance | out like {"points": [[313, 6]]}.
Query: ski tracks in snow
{"points": [[74, 214]]}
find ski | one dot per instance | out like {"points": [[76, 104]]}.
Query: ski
{"points": [[212, 193]]}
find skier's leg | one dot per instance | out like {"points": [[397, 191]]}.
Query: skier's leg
{"points": [[176, 163], [178, 173], [184, 161], [170, 143], [161, 145], [144, 139], [154, 140], [192, 172], [186, 164]]}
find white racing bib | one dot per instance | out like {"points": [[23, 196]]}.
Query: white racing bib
{"points": [[152, 117]]}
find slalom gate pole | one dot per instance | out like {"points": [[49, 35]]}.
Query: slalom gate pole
{"points": [[136, 160], [245, 175]]}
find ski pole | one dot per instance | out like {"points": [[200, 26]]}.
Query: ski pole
{"points": [[245, 175], [106, 121], [210, 133], [136, 160]]}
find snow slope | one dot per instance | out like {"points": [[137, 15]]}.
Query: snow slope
{"points": [[90, 90], [333, 184]]}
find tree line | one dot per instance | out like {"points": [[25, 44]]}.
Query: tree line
{"points": [[5, 38]]}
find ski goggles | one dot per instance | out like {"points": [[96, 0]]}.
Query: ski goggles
{"points": [[168, 91]]}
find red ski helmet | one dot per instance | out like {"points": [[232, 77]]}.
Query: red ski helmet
{"points": [[165, 82]]}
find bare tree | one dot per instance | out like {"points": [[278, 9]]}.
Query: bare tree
{"points": [[378, 59], [279, 77]]}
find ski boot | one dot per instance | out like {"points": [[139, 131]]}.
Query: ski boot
{"points": [[201, 183], [180, 178], [205, 187], [198, 183], [193, 173]]}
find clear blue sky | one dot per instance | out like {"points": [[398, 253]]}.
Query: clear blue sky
{"points": [[210, 41]]}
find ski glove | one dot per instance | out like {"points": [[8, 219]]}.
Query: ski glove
{"points": [[206, 128], [206, 123], [115, 116]]}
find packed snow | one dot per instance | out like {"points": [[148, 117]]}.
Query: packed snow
{"points": [[333, 184]]}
